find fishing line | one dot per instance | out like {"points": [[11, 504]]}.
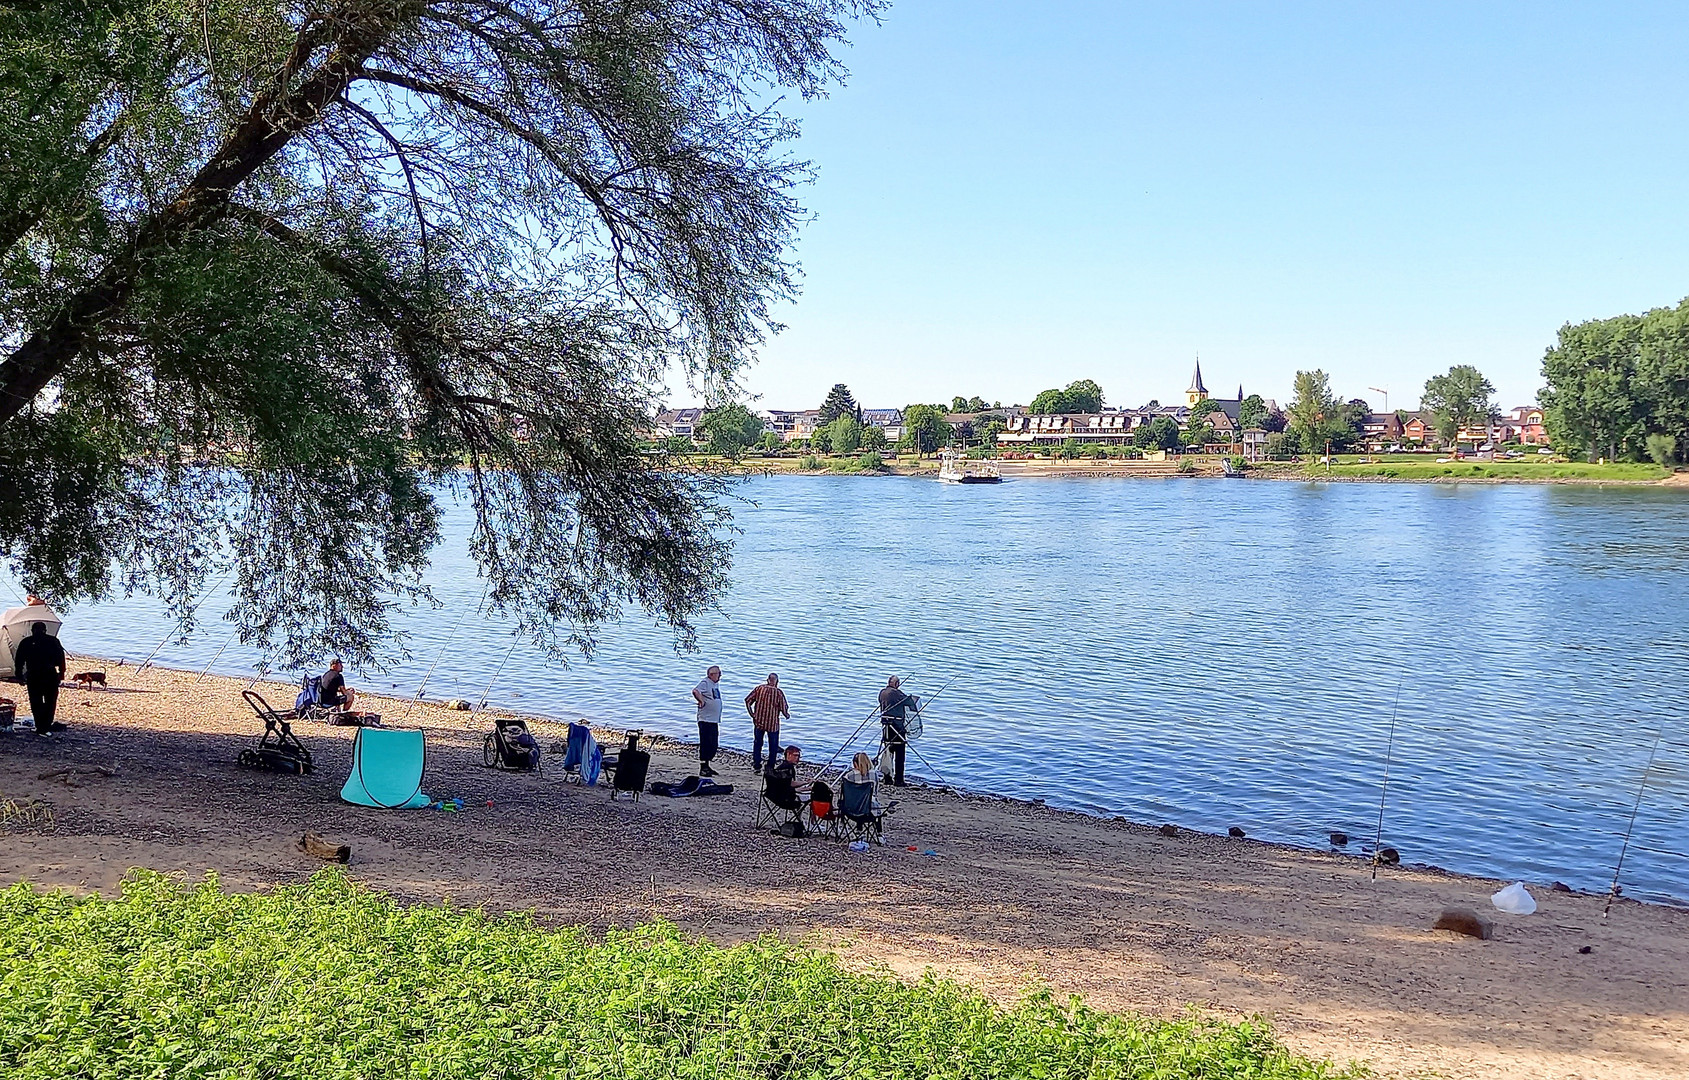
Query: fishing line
{"points": [[217, 654], [184, 619], [1389, 751], [1640, 788], [416, 697], [483, 702]]}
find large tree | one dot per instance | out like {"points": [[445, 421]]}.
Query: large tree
{"points": [[840, 402], [274, 279], [1457, 399], [730, 429], [1314, 411], [1612, 383], [1080, 396], [924, 428]]}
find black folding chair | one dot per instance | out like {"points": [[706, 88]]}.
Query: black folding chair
{"points": [[628, 768], [778, 805], [862, 819]]}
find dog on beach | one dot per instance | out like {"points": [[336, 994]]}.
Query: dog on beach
{"points": [[87, 679]]}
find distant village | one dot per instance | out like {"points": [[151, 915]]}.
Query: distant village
{"points": [[1242, 425]]}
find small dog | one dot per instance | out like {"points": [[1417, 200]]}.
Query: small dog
{"points": [[87, 679]]}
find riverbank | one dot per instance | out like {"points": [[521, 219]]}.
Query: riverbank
{"points": [[1015, 895], [1415, 471]]}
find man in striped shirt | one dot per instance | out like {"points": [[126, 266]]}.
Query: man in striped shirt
{"points": [[766, 705]]}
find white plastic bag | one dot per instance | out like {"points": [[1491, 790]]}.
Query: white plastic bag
{"points": [[1514, 900]]}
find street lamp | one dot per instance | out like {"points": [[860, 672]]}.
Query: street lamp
{"points": [[1386, 394]]}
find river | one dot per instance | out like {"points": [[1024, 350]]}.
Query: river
{"points": [[1204, 652]]}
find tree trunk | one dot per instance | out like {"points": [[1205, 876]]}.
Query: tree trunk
{"points": [[273, 120]]}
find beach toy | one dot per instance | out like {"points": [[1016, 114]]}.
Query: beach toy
{"points": [[387, 768]]}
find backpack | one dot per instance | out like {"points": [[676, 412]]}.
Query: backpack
{"points": [[793, 830]]}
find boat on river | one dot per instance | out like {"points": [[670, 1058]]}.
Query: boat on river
{"points": [[954, 469]]}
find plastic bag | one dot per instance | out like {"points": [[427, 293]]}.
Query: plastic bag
{"points": [[1514, 900]]}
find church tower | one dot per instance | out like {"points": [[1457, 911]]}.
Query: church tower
{"points": [[1197, 391]]}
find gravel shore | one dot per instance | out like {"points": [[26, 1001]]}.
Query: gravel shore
{"points": [[1014, 896]]}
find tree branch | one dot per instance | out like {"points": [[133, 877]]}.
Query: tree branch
{"points": [[410, 180]]}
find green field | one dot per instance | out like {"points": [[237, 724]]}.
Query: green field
{"points": [[328, 981], [1422, 467]]}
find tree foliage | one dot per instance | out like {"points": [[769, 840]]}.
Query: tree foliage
{"points": [[844, 434], [1253, 412], [924, 428], [1080, 397], [975, 404], [1457, 399], [730, 429], [1161, 433], [839, 403], [275, 279], [1611, 383], [1316, 417]]}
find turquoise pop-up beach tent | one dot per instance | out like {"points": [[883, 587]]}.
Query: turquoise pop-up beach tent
{"points": [[387, 767]]}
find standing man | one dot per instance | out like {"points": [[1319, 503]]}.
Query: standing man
{"points": [[894, 730], [708, 696], [767, 705], [40, 663]]}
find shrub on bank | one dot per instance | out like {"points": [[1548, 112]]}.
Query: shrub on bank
{"points": [[328, 981]]}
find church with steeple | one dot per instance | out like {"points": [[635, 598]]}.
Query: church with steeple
{"points": [[1197, 392]]}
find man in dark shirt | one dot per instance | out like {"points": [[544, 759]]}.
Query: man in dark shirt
{"points": [[335, 694], [40, 663], [894, 732], [782, 784]]}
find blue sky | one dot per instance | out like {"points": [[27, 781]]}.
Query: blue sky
{"points": [[1015, 195]]}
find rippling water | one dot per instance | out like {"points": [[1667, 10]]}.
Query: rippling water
{"points": [[1209, 653]]}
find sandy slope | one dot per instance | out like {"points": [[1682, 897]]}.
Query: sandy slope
{"points": [[1017, 894]]}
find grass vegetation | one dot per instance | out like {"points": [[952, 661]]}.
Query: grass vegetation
{"points": [[329, 981], [1421, 467]]}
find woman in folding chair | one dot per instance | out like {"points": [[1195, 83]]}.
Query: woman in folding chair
{"points": [[781, 807], [861, 818]]}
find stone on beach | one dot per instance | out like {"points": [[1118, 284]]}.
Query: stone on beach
{"points": [[1169, 830]]}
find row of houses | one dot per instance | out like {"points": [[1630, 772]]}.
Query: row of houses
{"points": [[1116, 427], [791, 425]]}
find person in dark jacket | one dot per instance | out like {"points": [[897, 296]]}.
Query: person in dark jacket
{"points": [[40, 664], [894, 731], [333, 691]]}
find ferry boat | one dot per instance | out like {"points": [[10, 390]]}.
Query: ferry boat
{"points": [[954, 469]]}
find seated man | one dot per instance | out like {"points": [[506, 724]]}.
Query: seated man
{"points": [[335, 694], [782, 784]]}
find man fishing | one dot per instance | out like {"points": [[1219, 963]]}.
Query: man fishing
{"points": [[894, 729]]}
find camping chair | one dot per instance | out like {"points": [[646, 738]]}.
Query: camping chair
{"points": [[863, 820], [511, 747], [387, 768], [278, 749], [824, 814], [583, 757], [778, 805], [628, 768]]}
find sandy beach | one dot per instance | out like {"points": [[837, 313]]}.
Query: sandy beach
{"points": [[1016, 895]]}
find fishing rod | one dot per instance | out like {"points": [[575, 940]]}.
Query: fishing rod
{"points": [[869, 718], [217, 654], [1389, 752], [184, 619], [496, 673], [416, 697], [1640, 788]]}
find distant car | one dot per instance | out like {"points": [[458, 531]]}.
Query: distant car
{"points": [[1546, 450]]}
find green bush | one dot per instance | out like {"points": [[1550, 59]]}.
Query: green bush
{"points": [[1186, 465], [870, 462], [809, 462], [328, 981]]}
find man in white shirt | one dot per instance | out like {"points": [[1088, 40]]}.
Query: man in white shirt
{"points": [[708, 696]]}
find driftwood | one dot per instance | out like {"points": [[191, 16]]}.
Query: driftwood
{"points": [[1463, 920], [71, 772], [314, 845]]}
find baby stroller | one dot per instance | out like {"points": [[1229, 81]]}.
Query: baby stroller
{"points": [[511, 747], [278, 750]]}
